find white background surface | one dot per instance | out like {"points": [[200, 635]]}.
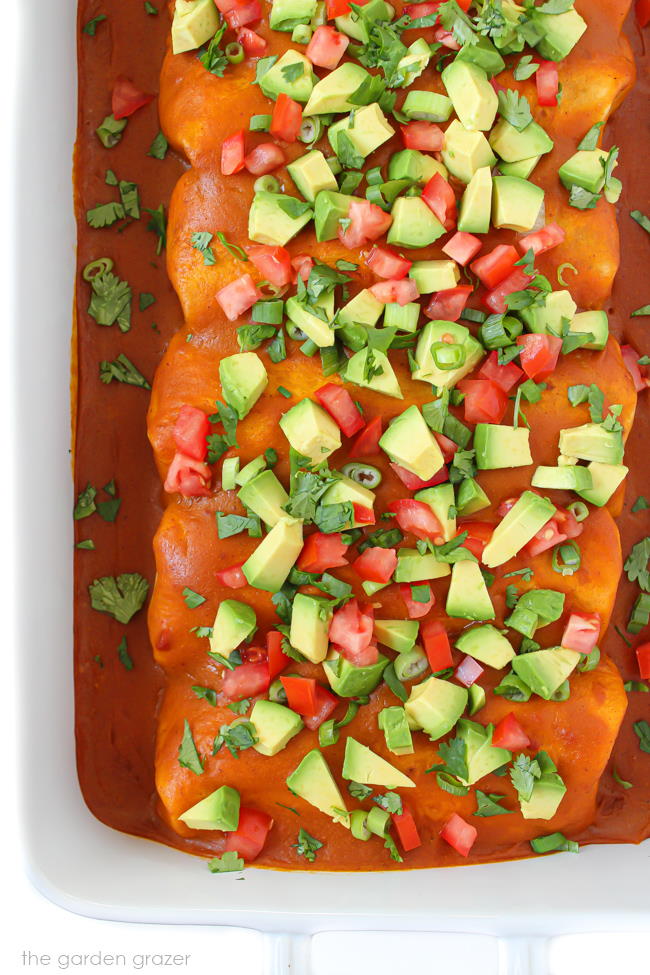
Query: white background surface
{"points": [[34, 925]]}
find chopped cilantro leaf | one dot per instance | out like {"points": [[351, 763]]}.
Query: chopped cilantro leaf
{"points": [[159, 147], [641, 219], [121, 597], [201, 242], [122, 370], [228, 862], [236, 737], [307, 845], [489, 804], [85, 505], [642, 731], [205, 694], [590, 140], [188, 756], [514, 108], [158, 226], [91, 26], [192, 599]]}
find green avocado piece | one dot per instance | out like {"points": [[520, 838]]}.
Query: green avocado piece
{"points": [[513, 145], [476, 203], [329, 209], [392, 721], [313, 781], [243, 380], [312, 175], [471, 497], [548, 792], [310, 624], [605, 479], [283, 78], [481, 755], [468, 597], [311, 431], [435, 706], [476, 698], [412, 65], [547, 317], [545, 670], [366, 129], [346, 680], [333, 92], [414, 567], [523, 168], [571, 477], [234, 623], [408, 441], [521, 523], [560, 33], [275, 726], [484, 54], [356, 27], [473, 97], [595, 322], [219, 810], [273, 559], [427, 106], [464, 152], [592, 441], [274, 218], [438, 331], [346, 491], [385, 382], [363, 765], [586, 169], [250, 470], [441, 500], [433, 276], [195, 23], [363, 309], [536, 608], [308, 319], [414, 224], [399, 635], [515, 203], [287, 14], [229, 472], [265, 495], [498, 446], [414, 165], [487, 644]]}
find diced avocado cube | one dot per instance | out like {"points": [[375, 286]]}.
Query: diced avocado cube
{"points": [[397, 733], [195, 22], [366, 129], [346, 680], [414, 567], [414, 225], [403, 317], [370, 588], [548, 792], [464, 152], [566, 478], [285, 77], [275, 218], [306, 318], [363, 765], [473, 97], [523, 168], [275, 726], [438, 331], [592, 441], [433, 276], [468, 597], [498, 446], [385, 382], [275, 556], [513, 145], [219, 810], [476, 698], [311, 174], [484, 54], [476, 203], [414, 62], [313, 781], [243, 380], [595, 322], [487, 644], [310, 623], [515, 203], [471, 497], [605, 479], [363, 309], [311, 431], [520, 524], [287, 14], [329, 209], [441, 500], [560, 33], [356, 27], [229, 472], [399, 635], [427, 106], [411, 164], [481, 755], [545, 670], [332, 93], [409, 442], [547, 317], [251, 470], [235, 622], [585, 168], [435, 706], [265, 496], [346, 491]]}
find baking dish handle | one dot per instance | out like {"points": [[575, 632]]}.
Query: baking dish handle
{"points": [[291, 954]]}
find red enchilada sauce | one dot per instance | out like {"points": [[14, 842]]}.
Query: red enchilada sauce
{"points": [[119, 691]]}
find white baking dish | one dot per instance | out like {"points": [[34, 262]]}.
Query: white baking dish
{"points": [[74, 860]]}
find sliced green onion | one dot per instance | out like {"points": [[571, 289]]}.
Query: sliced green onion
{"points": [[410, 665], [364, 474], [448, 355], [640, 614], [268, 312], [309, 348], [234, 52], [277, 692], [268, 184], [374, 177], [328, 733], [259, 123], [451, 784], [552, 843], [562, 693], [378, 820], [589, 661], [295, 333], [301, 34], [499, 331], [579, 510], [320, 14], [310, 130], [513, 688], [473, 315], [358, 824], [621, 782], [565, 267], [97, 268], [566, 558], [636, 685]]}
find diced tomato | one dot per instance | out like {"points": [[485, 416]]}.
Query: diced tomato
{"points": [[238, 14], [302, 265], [286, 119], [542, 240], [631, 360], [385, 263], [322, 552], [642, 12], [376, 564], [326, 704], [568, 523], [581, 632], [274, 263], [414, 608], [417, 10], [459, 834], [399, 292], [232, 577], [417, 517], [250, 836], [448, 305], [190, 430], [188, 476], [263, 159], [233, 153], [415, 483], [407, 831], [462, 247], [643, 658], [247, 680], [367, 223], [507, 506], [337, 8], [493, 268], [509, 734], [276, 659], [504, 376], [485, 401], [468, 671], [367, 443], [479, 534], [424, 136], [301, 693], [539, 354], [447, 39], [254, 655], [547, 80], [237, 297], [341, 407], [127, 99], [362, 514], [436, 645], [326, 47], [547, 537], [441, 200], [351, 628], [254, 45], [495, 300]]}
